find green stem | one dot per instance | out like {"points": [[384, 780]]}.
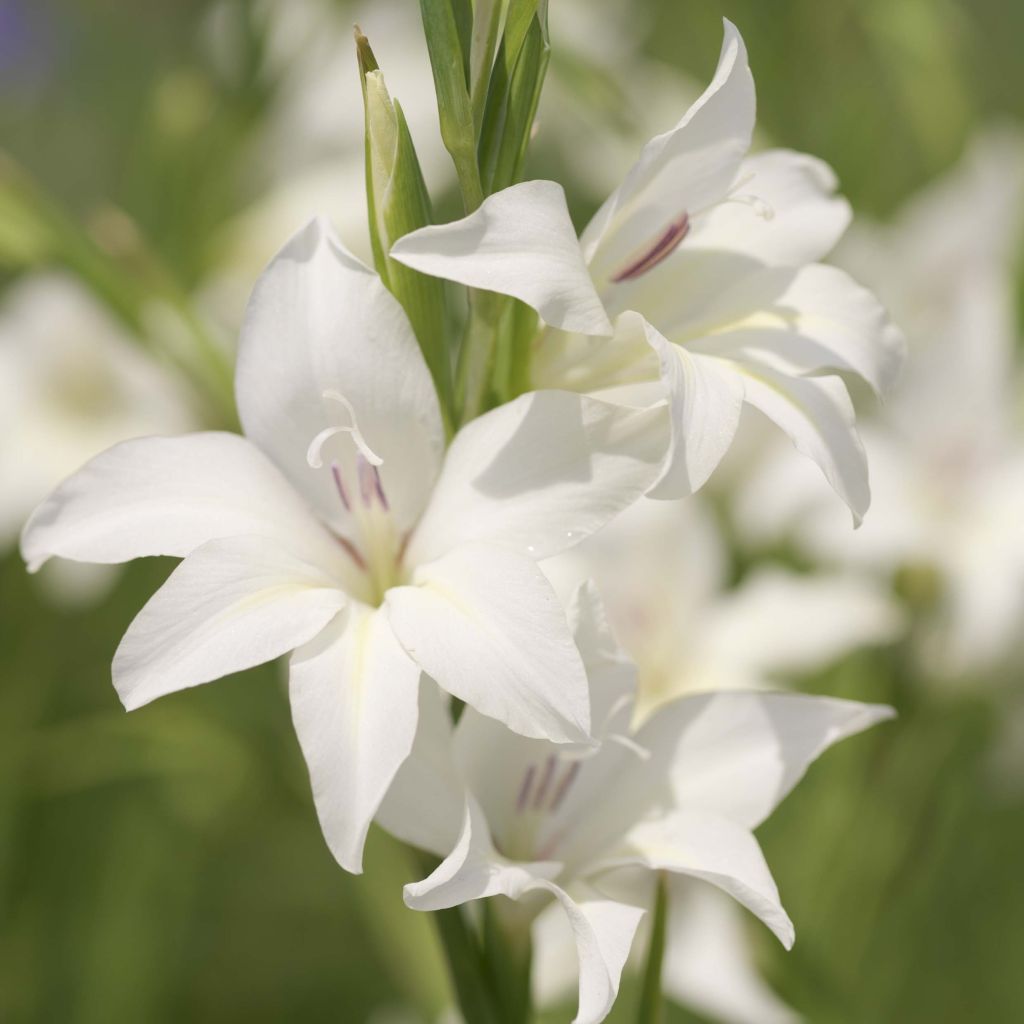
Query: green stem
{"points": [[466, 968], [476, 356], [651, 1002], [507, 958]]}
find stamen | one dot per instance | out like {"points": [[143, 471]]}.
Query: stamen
{"points": [[524, 789], [369, 483], [340, 485], [661, 250], [631, 745], [545, 782], [563, 786]]}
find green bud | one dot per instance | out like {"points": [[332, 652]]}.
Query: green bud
{"points": [[398, 203]]}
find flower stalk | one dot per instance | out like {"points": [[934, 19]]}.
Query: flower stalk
{"points": [[649, 1010]]}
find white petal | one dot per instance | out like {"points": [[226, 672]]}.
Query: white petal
{"points": [[817, 415], [683, 170], [519, 242], [705, 400], [738, 754], [233, 603], [815, 319], [168, 495], [320, 324], [473, 870], [710, 846], [784, 211], [540, 473], [426, 802], [354, 705], [486, 624], [604, 932]]}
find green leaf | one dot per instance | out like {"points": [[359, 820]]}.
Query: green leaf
{"points": [[398, 203], [449, 67]]}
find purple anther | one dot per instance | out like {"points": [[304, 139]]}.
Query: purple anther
{"points": [[662, 249], [370, 486], [563, 787], [545, 783], [340, 485]]}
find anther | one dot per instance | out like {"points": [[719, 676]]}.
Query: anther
{"points": [[545, 783], [340, 485], [563, 786], [524, 789], [665, 245]]}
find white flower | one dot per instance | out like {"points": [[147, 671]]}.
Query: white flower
{"points": [[662, 570], [339, 527], [532, 821], [947, 451], [71, 384], [699, 273]]}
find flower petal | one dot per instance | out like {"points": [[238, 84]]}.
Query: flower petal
{"points": [[705, 402], [711, 847], [604, 931], [486, 624], [817, 415], [233, 603], [784, 211], [168, 495], [683, 170], [473, 870], [519, 242], [815, 319], [738, 754], [319, 325], [540, 473], [354, 705]]}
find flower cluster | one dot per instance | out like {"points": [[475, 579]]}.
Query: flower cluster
{"points": [[405, 539]]}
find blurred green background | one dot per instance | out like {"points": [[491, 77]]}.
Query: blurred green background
{"points": [[167, 866]]}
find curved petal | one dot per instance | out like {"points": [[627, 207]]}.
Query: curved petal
{"points": [[784, 211], [354, 706], [817, 415], [518, 242], [705, 401], [604, 931], [815, 319], [168, 495], [321, 325], [738, 754], [540, 473], [474, 870], [232, 604], [486, 624], [683, 170], [715, 849]]}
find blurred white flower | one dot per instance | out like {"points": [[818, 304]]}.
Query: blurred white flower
{"points": [[535, 822], [71, 384], [947, 450], [340, 528], [662, 569], [704, 259]]}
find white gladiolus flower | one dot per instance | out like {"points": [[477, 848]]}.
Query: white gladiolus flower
{"points": [[947, 451], [535, 822], [71, 385], [340, 528], [695, 281], [662, 570]]}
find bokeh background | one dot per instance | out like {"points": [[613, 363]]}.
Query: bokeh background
{"points": [[166, 866]]}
